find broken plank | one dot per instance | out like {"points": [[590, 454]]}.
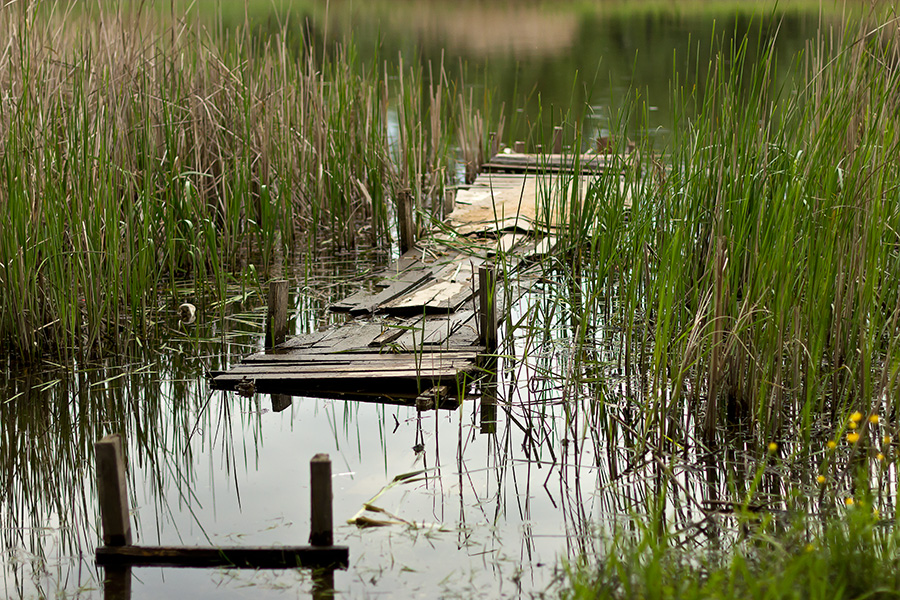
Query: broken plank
{"points": [[435, 330], [285, 557]]}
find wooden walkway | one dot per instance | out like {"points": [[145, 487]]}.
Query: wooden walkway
{"points": [[417, 336]]}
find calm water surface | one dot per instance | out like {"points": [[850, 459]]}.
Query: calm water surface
{"points": [[493, 513]]}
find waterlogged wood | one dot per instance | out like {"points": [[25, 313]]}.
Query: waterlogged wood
{"points": [[487, 303], [276, 557], [321, 529], [556, 162], [112, 491], [438, 331], [420, 326], [276, 315], [451, 287]]}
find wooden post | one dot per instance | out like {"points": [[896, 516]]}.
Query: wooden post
{"points": [[280, 402], [488, 419], [112, 491], [519, 147], [557, 140], [495, 143], [406, 225], [321, 530], [276, 318], [117, 583], [323, 584], [449, 201], [487, 298]]}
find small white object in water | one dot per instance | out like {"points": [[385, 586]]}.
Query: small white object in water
{"points": [[187, 313]]}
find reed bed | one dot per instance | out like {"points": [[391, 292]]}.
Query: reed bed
{"points": [[139, 149], [730, 307]]}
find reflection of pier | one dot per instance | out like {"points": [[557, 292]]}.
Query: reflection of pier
{"points": [[416, 338]]}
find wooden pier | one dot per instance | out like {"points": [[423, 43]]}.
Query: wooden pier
{"points": [[417, 338]]}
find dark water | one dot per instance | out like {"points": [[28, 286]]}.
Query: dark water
{"points": [[494, 513]]}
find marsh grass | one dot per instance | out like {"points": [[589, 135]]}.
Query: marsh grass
{"points": [[849, 557], [753, 280], [138, 149], [728, 306]]}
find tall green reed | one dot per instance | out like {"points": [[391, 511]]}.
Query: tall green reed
{"points": [[137, 151], [753, 283]]}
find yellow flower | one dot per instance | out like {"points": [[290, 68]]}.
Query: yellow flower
{"points": [[886, 440], [857, 416], [852, 425], [820, 479], [848, 501], [874, 419], [852, 437], [773, 446], [832, 444], [880, 456]]}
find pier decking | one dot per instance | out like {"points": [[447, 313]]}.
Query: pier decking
{"points": [[419, 334]]}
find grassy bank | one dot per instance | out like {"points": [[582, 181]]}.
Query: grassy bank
{"points": [[136, 150], [742, 323]]}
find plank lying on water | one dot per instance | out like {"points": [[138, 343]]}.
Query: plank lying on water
{"points": [[239, 557]]}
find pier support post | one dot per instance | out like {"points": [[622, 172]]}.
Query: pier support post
{"points": [[112, 491], [407, 224], [487, 298], [321, 522], [557, 140], [276, 317], [519, 147], [449, 202], [280, 402]]}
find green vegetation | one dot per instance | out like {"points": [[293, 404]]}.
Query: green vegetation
{"points": [[853, 557], [745, 316], [136, 151]]}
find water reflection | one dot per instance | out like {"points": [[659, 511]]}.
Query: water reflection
{"points": [[542, 466], [552, 63]]}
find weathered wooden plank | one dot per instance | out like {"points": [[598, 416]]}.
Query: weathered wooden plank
{"points": [[392, 331], [284, 557], [435, 330], [361, 358], [587, 163], [451, 287], [356, 334], [368, 369], [363, 303]]}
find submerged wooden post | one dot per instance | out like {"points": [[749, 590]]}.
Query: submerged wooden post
{"points": [[488, 419], [276, 317], [519, 147], [321, 530], [557, 140], [487, 299], [280, 402], [112, 491], [117, 583], [405, 215]]}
